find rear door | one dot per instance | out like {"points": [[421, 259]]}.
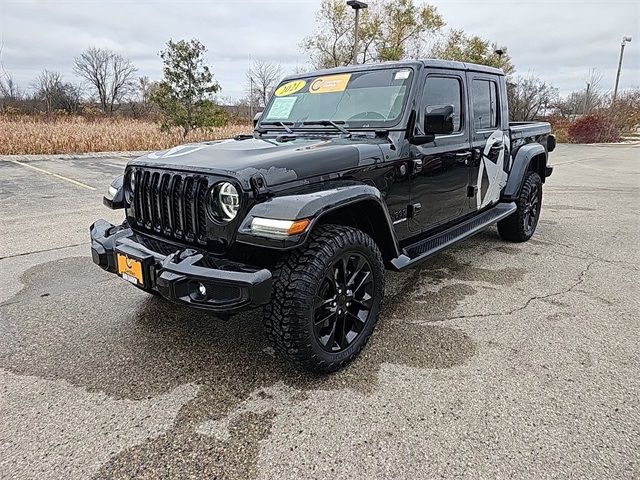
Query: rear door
{"points": [[441, 177], [489, 139]]}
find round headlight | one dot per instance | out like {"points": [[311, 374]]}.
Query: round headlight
{"points": [[225, 201]]}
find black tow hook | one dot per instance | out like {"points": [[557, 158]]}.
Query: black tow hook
{"points": [[181, 255]]}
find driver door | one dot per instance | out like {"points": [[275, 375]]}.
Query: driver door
{"points": [[441, 168]]}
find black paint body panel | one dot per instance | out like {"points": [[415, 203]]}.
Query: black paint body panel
{"points": [[417, 190]]}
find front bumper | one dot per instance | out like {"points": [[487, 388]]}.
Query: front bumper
{"points": [[178, 274]]}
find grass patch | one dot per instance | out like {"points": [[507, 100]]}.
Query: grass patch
{"points": [[25, 134]]}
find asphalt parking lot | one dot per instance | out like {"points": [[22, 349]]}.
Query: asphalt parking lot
{"points": [[492, 360]]}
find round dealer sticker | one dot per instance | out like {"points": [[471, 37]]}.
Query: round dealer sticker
{"points": [[290, 87]]}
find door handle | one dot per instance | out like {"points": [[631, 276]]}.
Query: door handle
{"points": [[416, 166], [463, 158]]}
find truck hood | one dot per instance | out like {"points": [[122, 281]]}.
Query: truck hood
{"points": [[277, 162]]}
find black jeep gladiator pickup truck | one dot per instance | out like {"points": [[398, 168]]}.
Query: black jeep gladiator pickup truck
{"points": [[349, 171]]}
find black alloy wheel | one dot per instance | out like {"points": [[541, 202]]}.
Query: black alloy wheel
{"points": [[344, 302], [532, 210], [326, 298], [521, 224]]}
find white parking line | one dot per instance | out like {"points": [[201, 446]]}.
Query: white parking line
{"points": [[122, 165], [61, 177]]}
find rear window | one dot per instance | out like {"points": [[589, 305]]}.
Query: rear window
{"points": [[485, 104]]}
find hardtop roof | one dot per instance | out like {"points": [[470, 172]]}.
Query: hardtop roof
{"points": [[429, 62]]}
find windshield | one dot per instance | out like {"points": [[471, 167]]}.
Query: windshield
{"points": [[373, 98]]}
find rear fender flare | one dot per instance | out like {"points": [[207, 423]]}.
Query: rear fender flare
{"points": [[521, 162]]}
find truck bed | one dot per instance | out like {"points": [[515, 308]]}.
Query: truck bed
{"points": [[522, 133], [528, 129]]}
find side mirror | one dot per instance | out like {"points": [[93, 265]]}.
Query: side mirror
{"points": [[256, 118], [438, 120]]}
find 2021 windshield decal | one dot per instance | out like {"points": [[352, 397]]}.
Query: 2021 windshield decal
{"points": [[290, 88]]}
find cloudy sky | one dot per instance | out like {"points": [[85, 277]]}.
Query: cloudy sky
{"points": [[558, 40]]}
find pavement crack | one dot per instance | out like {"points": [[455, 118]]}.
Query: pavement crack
{"points": [[24, 254], [589, 256], [526, 304]]}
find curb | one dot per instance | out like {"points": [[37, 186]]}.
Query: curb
{"points": [[626, 143], [71, 156]]}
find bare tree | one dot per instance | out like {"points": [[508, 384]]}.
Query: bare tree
{"points": [[109, 74], [529, 96], [10, 92], [46, 88], [263, 78], [140, 102], [300, 69], [238, 108], [593, 95], [586, 100], [627, 111], [9, 89], [57, 94]]}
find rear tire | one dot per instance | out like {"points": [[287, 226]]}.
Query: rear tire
{"points": [[521, 224], [326, 299]]}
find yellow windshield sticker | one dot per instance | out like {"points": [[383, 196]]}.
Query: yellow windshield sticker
{"points": [[290, 88], [330, 84]]}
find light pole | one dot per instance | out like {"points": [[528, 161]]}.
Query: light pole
{"points": [[500, 51], [586, 99], [357, 6], [251, 96], [625, 40]]}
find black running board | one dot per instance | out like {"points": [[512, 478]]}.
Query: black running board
{"points": [[427, 247]]}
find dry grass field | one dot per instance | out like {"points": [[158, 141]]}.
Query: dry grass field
{"points": [[21, 135]]}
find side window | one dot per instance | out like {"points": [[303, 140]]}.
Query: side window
{"points": [[444, 91], [485, 104]]}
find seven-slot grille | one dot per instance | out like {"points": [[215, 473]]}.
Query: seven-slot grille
{"points": [[172, 204]]}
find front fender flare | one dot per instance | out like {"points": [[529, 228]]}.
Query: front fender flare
{"points": [[520, 166], [314, 205]]}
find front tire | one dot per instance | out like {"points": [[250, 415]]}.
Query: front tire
{"points": [[326, 299], [521, 224]]}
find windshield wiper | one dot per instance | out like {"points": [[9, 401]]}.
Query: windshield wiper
{"points": [[329, 123], [281, 124]]}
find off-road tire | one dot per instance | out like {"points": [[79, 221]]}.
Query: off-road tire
{"points": [[289, 317], [515, 227]]}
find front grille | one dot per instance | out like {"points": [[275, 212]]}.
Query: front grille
{"points": [[171, 204]]}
